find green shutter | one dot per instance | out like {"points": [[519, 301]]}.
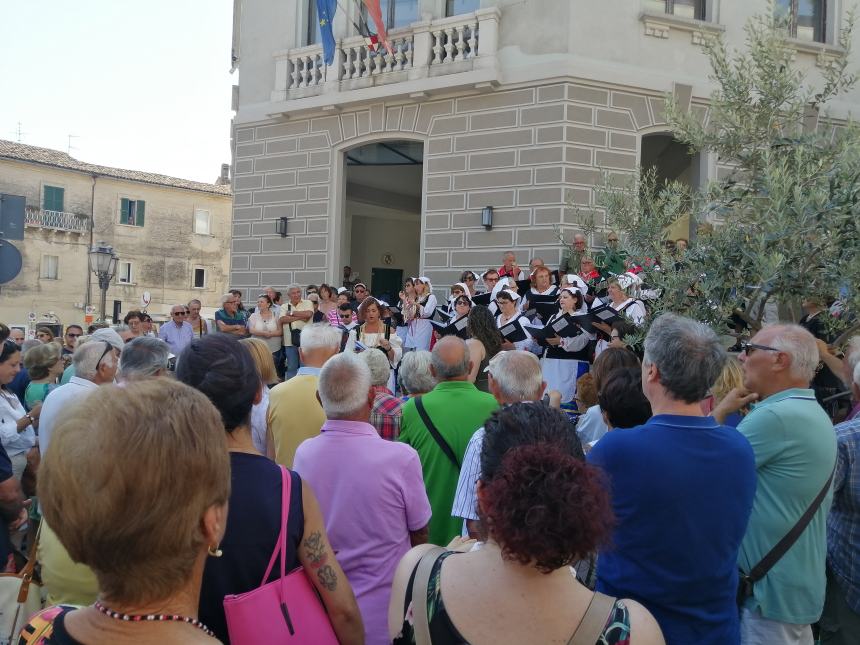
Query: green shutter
{"points": [[53, 199], [123, 214], [141, 207]]}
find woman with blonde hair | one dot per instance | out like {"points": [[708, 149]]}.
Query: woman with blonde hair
{"points": [[730, 378], [145, 530], [44, 365], [269, 377]]}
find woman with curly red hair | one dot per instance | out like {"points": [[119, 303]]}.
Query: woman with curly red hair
{"points": [[541, 510]]}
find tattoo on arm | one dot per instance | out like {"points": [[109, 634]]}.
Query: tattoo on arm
{"points": [[316, 552]]}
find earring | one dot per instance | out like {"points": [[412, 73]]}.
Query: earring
{"points": [[215, 552]]}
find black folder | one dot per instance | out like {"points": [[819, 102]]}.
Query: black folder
{"points": [[441, 315], [456, 328], [605, 314], [483, 299], [513, 331]]}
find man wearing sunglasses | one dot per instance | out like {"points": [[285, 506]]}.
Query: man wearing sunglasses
{"points": [[178, 332], [73, 332], [795, 451], [95, 363]]}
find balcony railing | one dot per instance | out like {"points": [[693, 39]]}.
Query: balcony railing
{"points": [[56, 220], [429, 49]]}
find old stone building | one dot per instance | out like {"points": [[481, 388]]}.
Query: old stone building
{"points": [[386, 161], [171, 236]]}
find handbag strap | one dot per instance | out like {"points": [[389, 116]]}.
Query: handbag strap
{"points": [[286, 490], [26, 573], [593, 621], [420, 588], [773, 556], [434, 432]]}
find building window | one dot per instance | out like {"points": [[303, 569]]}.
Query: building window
{"points": [[199, 278], [395, 14], [50, 267], [313, 34], [132, 211], [125, 273], [202, 221], [682, 8], [53, 199], [805, 19], [459, 7]]}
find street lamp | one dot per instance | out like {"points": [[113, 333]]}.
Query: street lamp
{"points": [[103, 263]]}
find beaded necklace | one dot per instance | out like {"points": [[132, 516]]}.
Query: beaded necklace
{"points": [[138, 618]]}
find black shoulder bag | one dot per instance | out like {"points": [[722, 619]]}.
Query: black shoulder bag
{"points": [[434, 432], [759, 571]]}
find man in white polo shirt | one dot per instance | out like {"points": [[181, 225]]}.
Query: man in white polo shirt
{"points": [[295, 314]]}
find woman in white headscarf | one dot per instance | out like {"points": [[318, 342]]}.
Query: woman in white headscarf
{"points": [[459, 289], [564, 360], [419, 331]]}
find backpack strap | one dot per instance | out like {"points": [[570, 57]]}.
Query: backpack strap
{"points": [[434, 432], [593, 621], [420, 588]]}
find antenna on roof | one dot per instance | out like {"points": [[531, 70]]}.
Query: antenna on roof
{"points": [[19, 133], [70, 146]]}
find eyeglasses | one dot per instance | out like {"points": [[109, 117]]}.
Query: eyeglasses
{"points": [[108, 347], [73, 335], [749, 348], [181, 313]]}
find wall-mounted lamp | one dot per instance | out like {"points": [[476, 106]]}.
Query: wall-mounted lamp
{"points": [[487, 217], [281, 226]]}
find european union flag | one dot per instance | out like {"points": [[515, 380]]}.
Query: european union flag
{"points": [[325, 11]]}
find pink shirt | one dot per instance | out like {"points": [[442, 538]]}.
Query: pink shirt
{"points": [[371, 493]]}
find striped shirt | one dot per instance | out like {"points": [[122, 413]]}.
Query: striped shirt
{"points": [[466, 496]]}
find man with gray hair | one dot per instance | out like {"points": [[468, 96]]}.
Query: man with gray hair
{"points": [[370, 491], [177, 333], [294, 411], [144, 357], [795, 453], [514, 376], [294, 315], [682, 490], [386, 409], [95, 363], [439, 425]]}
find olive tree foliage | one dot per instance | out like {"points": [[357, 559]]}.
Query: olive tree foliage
{"points": [[786, 215]]}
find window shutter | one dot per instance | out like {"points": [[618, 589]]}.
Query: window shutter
{"points": [[141, 205], [53, 199], [123, 214]]}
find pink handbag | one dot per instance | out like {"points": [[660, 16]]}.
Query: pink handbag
{"points": [[287, 610]]}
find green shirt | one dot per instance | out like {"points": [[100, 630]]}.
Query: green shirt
{"points": [[457, 409], [795, 450], [611, 261], [68, 373]]}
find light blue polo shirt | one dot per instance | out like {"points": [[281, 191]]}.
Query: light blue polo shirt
{"points": [[795, 450]]}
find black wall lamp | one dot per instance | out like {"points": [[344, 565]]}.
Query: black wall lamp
{"points": [[281, 226], [487, 217]]}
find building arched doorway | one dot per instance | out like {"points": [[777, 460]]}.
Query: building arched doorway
{"points": [[381, 239]]}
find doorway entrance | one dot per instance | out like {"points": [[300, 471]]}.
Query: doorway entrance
{"points": [[382, 223]]}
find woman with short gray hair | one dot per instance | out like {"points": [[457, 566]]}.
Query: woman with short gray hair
{"points": [[414, 373]]}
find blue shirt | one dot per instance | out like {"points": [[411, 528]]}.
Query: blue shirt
{"points": [[682, 492], [843, 523], [176, 336]]}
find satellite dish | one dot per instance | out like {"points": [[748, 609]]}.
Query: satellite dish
{"points": [[10, 262], [145, 299]]}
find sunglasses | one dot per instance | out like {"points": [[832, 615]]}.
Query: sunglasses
{"points": [[73, 335], [181, 313], [108, 348], [749, 348]]}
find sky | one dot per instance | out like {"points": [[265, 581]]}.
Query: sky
{"points": [[143, 85]]}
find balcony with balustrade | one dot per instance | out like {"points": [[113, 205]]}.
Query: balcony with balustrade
{"points": [[35, 217], [438, 55]]}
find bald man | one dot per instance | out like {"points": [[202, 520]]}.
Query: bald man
{"points": [[439, 425]]}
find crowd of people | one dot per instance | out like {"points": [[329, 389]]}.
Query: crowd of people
{"points": [[492, 465]]}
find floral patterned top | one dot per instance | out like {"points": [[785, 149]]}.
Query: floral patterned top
{"points": [[443, 631]]}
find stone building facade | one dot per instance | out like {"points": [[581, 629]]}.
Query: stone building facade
{"points": [[172, 236], [523, 106]]}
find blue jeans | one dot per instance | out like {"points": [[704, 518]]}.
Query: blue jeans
{"points": [[291, 360]]}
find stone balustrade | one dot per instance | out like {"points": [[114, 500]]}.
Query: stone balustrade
{"points": [[428, 49]]}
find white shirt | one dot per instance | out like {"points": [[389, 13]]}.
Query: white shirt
{"points": [[591, 426], [10, 411], [55, 405], [635, 310], [260, 421]]}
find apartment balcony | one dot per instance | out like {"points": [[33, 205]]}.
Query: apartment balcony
{"points": [[438, 55], [56, 220]]}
